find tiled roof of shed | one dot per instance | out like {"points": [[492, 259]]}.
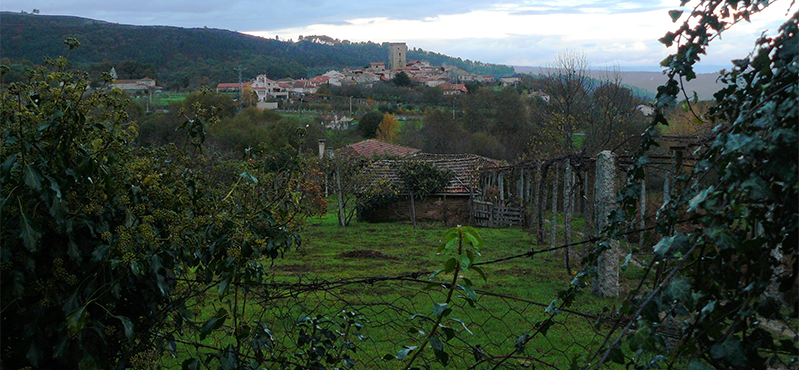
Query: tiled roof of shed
{"points": [[372, 148], [466, 168]]}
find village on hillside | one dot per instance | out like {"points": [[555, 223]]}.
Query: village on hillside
{"points": [[452, 80]]}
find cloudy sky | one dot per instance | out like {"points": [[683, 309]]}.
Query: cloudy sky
{"points": [[511, 32]]}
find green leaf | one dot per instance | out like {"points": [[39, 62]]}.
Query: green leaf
{"points": [[730, 351], [436, 343], [28, 232], [32, 177], [223, 286], [127, 325], [468, 289], [438, 349], [448, 332], [480, 271], [213, 324], [465, 261], [699, 198], [675, 15], [450, 265], [401, 354], [758, 188], [190, 364], [696, 365], [75, 319], [671, 245], [441, 309], [521, 341], [616, 355]]}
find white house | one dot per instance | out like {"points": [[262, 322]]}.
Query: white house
{"points": [[268, 89]]}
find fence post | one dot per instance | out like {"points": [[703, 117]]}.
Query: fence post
{"points": [[567, 213], [552, 240], [606, 283], [501, 186], [520, 187]]}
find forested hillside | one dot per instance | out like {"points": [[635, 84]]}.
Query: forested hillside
{"points": [[180, 57]]}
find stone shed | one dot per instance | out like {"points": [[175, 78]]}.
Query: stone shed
{"points": [[452, 206]]}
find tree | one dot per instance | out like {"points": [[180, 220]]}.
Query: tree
{"points": [[578, 106], [369, 123], [103, 243], [388, 130], [442, 134], [402, 79], [726, 242], [421, 179]]}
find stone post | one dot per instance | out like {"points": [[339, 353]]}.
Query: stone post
{"points": [[606, 283]]}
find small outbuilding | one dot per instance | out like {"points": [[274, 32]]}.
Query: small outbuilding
{"points": [[452, 205]]}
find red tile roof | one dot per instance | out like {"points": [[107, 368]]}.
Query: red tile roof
{"points": [[372, 148]]}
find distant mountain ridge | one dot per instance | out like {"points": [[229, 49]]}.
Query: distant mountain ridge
{"points": [[196, 56], [705, 84]]}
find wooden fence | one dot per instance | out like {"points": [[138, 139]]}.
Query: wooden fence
{"points": [[488, 214]]}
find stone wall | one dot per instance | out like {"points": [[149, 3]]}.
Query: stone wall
{"points": [[451, 210]]}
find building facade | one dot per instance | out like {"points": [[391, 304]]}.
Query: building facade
{"points": [[397, 55]]}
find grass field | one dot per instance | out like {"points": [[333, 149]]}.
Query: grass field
{"points": [[356, 269]]}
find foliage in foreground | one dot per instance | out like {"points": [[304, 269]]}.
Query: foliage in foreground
{"points": [[103, 244], [721, 287]]}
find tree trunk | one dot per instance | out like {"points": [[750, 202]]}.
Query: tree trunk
{"points": [[341, 221]]}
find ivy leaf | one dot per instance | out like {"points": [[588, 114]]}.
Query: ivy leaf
{"points": [[32, 177], [730, 351], [675, 15], [127, 325], [699, 198], [696, 365], [213, 324], [190, 364], [28, 232], [75, 319]]}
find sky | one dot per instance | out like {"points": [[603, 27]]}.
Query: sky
{"points": [[610, 33]]}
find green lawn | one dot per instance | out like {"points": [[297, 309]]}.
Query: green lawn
{"points": [[367, 258]]}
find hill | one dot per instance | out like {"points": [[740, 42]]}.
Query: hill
{"points": [[181, 57], [646, 83]]}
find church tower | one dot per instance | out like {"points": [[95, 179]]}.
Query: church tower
{"points": [[397, 55]]}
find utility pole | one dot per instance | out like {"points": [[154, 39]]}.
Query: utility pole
{"points": [[241, 86]]}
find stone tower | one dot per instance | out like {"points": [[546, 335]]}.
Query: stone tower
{"points": [[397, 55]]}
